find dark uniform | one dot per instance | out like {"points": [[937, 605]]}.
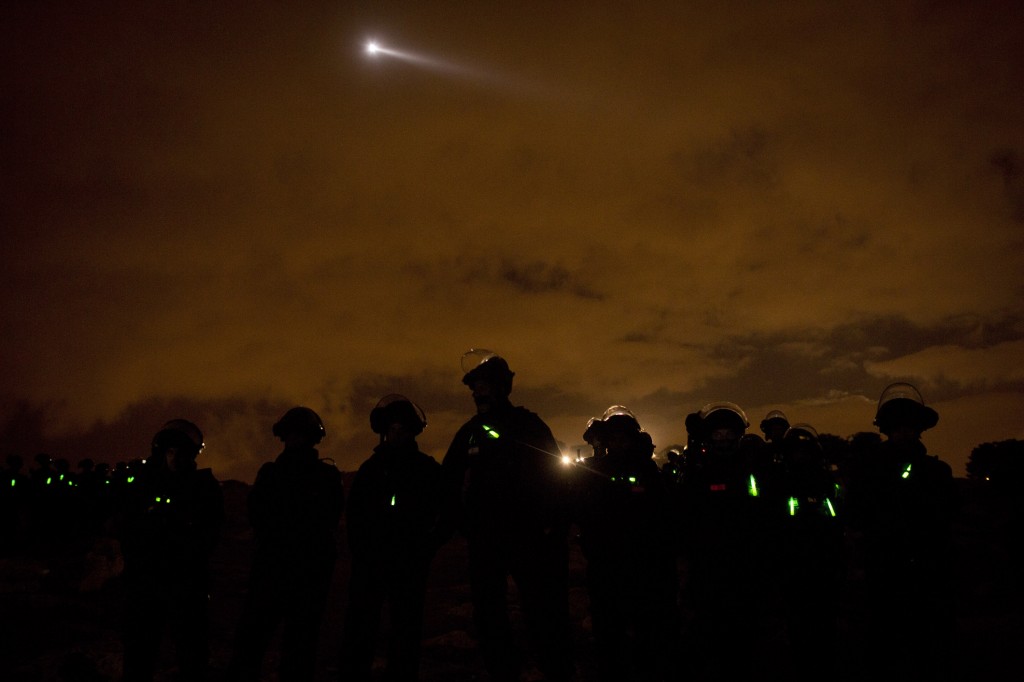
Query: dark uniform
{"points": [[294, 506], [391, 518], [726, 547], [810, 565], [626, 536], [169, 524], [903, 501], [505, 489]]}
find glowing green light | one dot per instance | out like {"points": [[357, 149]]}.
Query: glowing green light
{"points": [[906, 472], [13, 482], [131, 479], [793, 506], [490, 432], [753, 486], [632, 479], [49, 479], [159, 499], [831, 509], [393, 500]]}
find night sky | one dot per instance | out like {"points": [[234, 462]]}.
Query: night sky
{"points": [[219, 210]]}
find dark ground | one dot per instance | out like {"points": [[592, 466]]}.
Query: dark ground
{"points": [[66, 604]]}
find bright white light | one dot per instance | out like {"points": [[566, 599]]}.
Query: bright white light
{"points": [[376, 50], [566, 460]]}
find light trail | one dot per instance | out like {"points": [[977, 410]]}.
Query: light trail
{"points": [[375, 50]]}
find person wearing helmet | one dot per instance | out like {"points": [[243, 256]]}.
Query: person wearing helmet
{"points": [[774, 426], [169, 527], [505, 490], [723, 518], [14, 498], [391, 519], [809, 541], [902, 502], [625, 534], [295, 506]]}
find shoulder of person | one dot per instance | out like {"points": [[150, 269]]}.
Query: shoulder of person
{"points": [[939, 468], [206, 474], [328, 469], [526, 418], [426, 460], [266, 474]]}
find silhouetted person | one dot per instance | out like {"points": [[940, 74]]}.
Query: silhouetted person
{"points": [[392, 513], [505, 490], [168, 525], [626, 535], [809, 564], [774, 426], [724, 522], [294, 506], [15, 495], [903, 501], [675, 465]]}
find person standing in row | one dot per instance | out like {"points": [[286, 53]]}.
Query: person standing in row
{"points": [[626, 535], [723, 519], [506, 491], [391, 518], [295, 506], [903, 501], [168, 525]]}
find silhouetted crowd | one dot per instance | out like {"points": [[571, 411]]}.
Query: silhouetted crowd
{"points": [[736, 531]]}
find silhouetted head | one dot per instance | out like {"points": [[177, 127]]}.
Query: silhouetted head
{"points": [[396, 418], [617, 431], [802, 447], [902, 412], [300, 426], [488, 376], [723, 425], [774, 425], [177, 444]]}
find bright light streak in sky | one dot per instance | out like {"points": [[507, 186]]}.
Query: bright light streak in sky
{"points": [[375, 50]]}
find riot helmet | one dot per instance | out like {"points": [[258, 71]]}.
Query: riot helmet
{"points": [[300, 422], [480, 364], [774, 424], [618, 424], [592, 434], [182, 439], [396, 408], [723, 415], [802, 447], [901, 404], [179, 434], [801, 432], [722, 426], [620, 418]]}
